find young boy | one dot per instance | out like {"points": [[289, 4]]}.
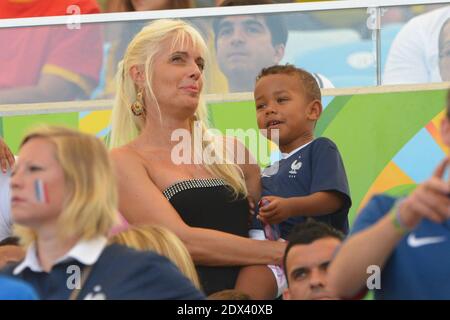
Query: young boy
{"points": [[310, 179]]}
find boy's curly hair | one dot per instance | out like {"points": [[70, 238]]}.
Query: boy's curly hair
{"points": [[307, 80]]}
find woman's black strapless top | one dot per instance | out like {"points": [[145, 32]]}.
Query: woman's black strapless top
{"points": [[209, 203]]}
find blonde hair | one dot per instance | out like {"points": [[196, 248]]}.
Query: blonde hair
{"points": [[90, 205], [163, 242], [125, 126]]}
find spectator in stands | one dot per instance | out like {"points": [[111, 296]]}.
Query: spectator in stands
{"points": [[310, 179], [48, 63], [119, 34], [203, 202], [400, 246], [415, 55], [64, 201], [162, 241], [246, 44], [311, 247]]}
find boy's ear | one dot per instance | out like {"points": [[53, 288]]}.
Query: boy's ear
{"points": [[286, 294], [445, 131], [138, 75], [314, 110]]}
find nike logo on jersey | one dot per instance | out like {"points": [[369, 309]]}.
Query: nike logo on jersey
{"points": [[415, 242]]}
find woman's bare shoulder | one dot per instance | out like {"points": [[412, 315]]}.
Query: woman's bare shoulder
{"points": [[125, 156]]}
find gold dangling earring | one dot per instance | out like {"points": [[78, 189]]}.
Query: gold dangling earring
{"points": [[138, 106]]}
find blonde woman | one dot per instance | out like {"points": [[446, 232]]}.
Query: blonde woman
{"points": [[64, 201], [119, 34], [203, 202], [162, 241]]}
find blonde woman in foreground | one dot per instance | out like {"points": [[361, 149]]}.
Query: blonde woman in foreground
{"points": [[64, 202]]}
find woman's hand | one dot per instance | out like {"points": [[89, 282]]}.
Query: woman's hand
{"points": [[6, 156]]}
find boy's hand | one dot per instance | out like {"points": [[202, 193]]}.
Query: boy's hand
{"points": [[276, 211], [6, 156]]}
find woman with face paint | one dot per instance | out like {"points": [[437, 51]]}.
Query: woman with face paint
{"points": [[64, 202]]}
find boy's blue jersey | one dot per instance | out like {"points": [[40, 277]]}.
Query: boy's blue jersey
{"points": [[315, 167], [419, 266]]}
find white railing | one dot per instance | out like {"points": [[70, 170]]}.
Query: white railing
{"points": [[106, 104]]}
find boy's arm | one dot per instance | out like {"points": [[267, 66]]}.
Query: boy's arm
{"points": [[313, 205], [329, 188]]}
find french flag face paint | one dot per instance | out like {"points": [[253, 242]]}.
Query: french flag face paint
{"points": [[40, 189]]}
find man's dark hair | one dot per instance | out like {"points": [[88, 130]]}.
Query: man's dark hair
{"points": [[308, 232], [275, 22], [308, 81]]}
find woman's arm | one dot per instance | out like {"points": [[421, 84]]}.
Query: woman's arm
{"points": [[257, 281], [373, 246], [141, 202]]}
